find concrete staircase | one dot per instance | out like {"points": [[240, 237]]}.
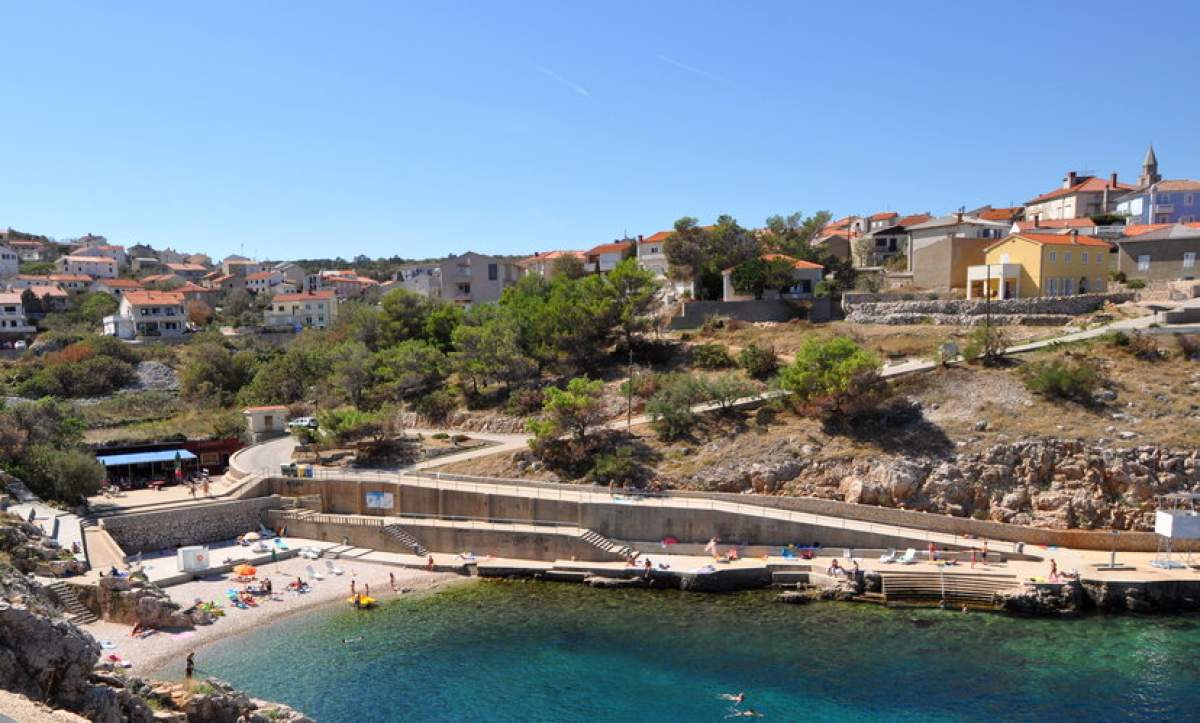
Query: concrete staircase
{"points": [[396, 532], [76, 612], [595, 539], [956, 588]]}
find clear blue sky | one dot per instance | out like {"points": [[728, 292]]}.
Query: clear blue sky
{"points": [[299, 129]]}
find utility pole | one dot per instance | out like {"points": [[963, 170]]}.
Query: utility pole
{"points": [[629, 392], [987, 313]]}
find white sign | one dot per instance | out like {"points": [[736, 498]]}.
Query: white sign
{"points": [[380, 500]]}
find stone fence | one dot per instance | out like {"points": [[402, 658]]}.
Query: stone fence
{"points": [[968, 312], [188, 525]]}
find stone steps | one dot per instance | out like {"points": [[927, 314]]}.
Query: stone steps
{"points": [[595, 539], [405, 538], [76, 612], [953, 587]]}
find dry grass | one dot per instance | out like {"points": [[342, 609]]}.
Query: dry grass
{"points": [[1157, 400], [888, 341]]}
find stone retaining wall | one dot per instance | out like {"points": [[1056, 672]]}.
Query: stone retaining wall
{"points": [[191, 525], [967, 312], [696, 312]]}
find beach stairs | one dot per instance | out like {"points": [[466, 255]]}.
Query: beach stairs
{"points": [[406, 539], [76, 612], [595, 539], [959, 588]]}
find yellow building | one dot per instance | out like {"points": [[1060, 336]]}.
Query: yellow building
{"points": [[1023, 265]]}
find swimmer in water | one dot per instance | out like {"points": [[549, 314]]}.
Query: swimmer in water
{"points": [[748, 713], [736, 698], [347, 641]]}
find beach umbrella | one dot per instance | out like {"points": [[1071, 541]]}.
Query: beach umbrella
{"points": [[251, 537], [245, 570]]}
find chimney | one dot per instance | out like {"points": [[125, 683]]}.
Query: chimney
{"points": [[1069, 180], [1112, 180], [958, 214], [1074, 233]]}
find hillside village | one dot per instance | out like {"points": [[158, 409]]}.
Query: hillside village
{"points": [[114, 350]]}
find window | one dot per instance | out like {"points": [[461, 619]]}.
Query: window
{"points": [[1164, 198], [1099, 284], [493, 272], [1188, 199], [1066, 257], [1068, 286], [1144, 262], [1052, 287], [1189, 259], [1053, 256], [1083, 258]]}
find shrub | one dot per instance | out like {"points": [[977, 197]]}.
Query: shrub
{"points": [[525, 401], [619, 466], [440, 435], [435, 406], [574, 410], [835, 377], [670, 409], [760, 362], [643, 383], [1141, 346], [725, 390], [986, 345], [1117, 276], [1136, 284], [459, 438], [711, 356], [1061, 379]]}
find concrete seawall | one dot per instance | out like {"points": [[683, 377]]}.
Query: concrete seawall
{"points": [[191, 525]]}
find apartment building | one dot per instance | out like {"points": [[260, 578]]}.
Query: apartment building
{"points": [[100, 267], [316, 309], [473, 278]]}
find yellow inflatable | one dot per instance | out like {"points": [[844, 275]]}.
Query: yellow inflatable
{"points": [[363, 600]]}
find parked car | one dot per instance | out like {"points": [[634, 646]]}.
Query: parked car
{"points": [[303, 423]]}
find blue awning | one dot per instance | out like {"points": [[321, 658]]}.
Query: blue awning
{"points": [[167, 455]]}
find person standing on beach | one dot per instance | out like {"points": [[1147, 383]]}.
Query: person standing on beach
{"points": [[190, 665], [429, 564], [352, 587], [206, 490], [984, 558], [392, 580]]}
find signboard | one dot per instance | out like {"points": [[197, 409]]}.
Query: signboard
{"points": [[380, 500], [1177, 525]]}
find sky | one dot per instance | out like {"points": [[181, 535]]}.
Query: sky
{"points": [[288, 129]]}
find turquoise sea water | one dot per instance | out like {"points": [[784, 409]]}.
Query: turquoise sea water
{"points": [[509, 651]]}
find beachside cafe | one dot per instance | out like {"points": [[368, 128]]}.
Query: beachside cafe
{"points": [[149, 469]]}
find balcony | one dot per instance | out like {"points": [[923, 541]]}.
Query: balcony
{"points": [[1001, 281]]}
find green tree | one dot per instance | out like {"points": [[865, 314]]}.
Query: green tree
{"points": [[211, 374], [359, 322], [487, 348], [567, 266], [409, 368], [758, 275], [725, 390], [836, 377], [36, 268], [794, 234], [61, 474], [403, 316], [629, 292], [95, 306], [352, 370], [574, 410]]}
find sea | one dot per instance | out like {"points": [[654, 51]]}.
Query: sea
{"points": [[533, 651]]}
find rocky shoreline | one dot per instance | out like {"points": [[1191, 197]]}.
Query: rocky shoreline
{"points": [[1049, 483], [48, 661]]}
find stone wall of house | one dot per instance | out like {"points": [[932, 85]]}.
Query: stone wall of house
{"points": [[1041, 310], [695, 313], [192, 525]]}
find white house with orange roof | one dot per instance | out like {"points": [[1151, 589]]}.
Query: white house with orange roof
{"points": [[263, 282], [72, 282], [295, 310], [605, 257], [1078, 197], [116, 253], [543, 263], [100, 267], [805, 275], [187, 271], [652, 256], [12, 316], [115, 288], [147, 314]]}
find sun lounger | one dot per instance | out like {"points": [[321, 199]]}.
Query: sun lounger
{"points": [[309, 553], [333, 569], [313, 574], [910, 557], [888, 557]]}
